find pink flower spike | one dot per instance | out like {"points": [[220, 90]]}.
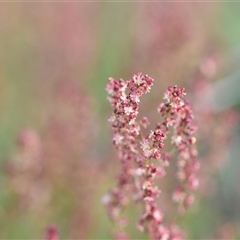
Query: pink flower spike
{"points": [[143, 158]]}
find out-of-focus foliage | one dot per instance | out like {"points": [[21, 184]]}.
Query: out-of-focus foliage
{"points": [[56, 154]]}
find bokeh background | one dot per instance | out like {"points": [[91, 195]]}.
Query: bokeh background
{"points": [[56, 154]]}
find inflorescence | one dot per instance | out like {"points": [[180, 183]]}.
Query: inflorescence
{"points": [[144, 159]]}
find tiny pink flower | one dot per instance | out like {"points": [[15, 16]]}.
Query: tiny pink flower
{"points": [[177, 140], [138, 78], [117, 139], [128, 110]]}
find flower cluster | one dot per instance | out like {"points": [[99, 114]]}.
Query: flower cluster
{"points": [[178, 115], [25, 172], [51, 159], [143, 159]]}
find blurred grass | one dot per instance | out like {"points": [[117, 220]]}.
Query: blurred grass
{"points": [[113, 56], [230, 23]]}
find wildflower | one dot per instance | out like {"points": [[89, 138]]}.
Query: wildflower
{"points": [[142, 157]]}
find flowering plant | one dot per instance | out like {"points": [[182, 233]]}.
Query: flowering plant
{"points": [[143, 157]]}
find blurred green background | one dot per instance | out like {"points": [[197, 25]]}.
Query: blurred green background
{"points": [[55, 142]]}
